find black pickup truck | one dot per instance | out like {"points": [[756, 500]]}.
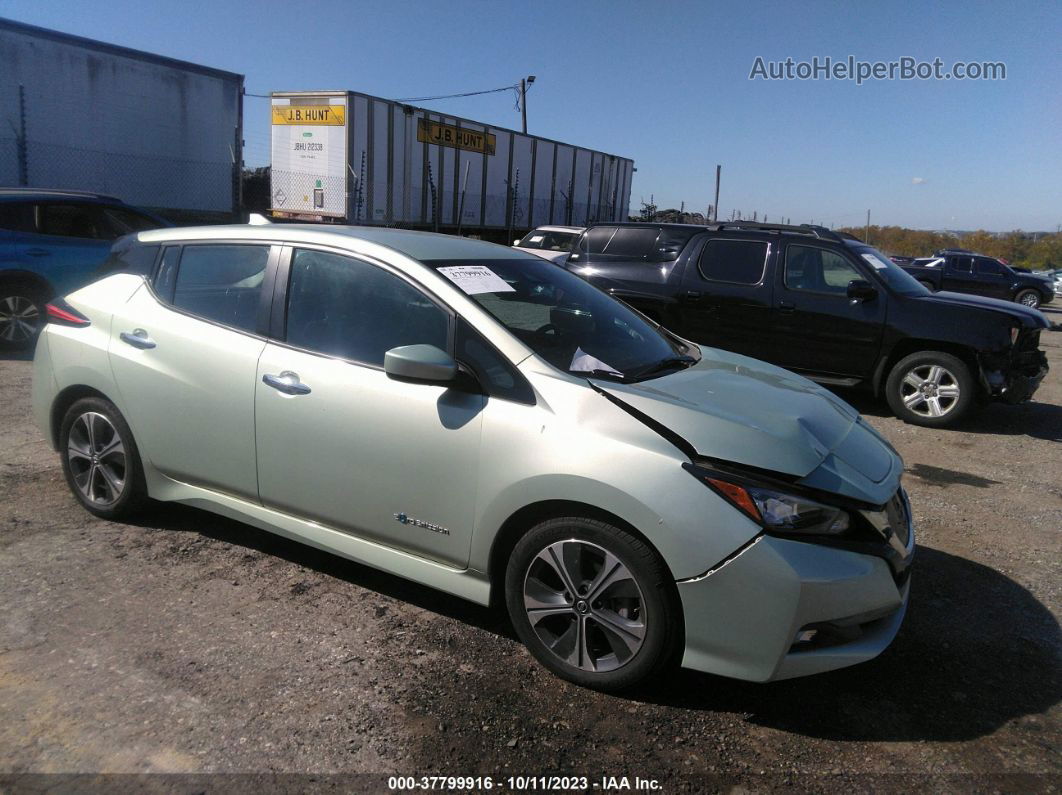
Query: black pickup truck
{"points": [[977, 274], [824, 305]]}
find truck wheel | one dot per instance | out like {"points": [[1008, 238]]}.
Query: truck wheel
{"points": [[593, 603], [930, 388], [927, 285], [1029, 298], [21, 316]]}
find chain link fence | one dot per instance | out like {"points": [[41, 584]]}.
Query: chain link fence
{"points": [[46, 142]]}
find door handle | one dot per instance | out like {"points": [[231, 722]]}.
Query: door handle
{"points": [[38, 252], [287, 382], [785, 306], [138, 338], [694, 295]]}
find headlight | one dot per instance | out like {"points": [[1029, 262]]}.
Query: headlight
{"points": [[779, 512]]}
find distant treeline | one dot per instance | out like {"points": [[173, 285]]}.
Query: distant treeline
{"points": [[1026, 249]]}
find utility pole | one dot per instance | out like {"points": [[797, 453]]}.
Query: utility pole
{"points": [[524, 83], [866, 237], [718, 174]]}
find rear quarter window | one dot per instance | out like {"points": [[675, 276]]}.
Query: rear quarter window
{"points": [[734, 261]]}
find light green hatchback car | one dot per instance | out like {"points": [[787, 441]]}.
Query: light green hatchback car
{"points": [[478, 420]]}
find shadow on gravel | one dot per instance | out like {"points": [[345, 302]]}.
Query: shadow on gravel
{"points": [[16, 356], [977, 650], [181, 518], [938, 476]]}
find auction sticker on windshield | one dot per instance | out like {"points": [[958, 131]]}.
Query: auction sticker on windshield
{"points": [[474, 279]]}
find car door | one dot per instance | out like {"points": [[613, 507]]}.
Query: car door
{"points": [[992, 278], [341, 443], [959, 275], [726, 299], [184, 351], [819, 329]]}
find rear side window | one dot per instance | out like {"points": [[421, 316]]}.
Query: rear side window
{"points": [[962, 264], [221, 283], [17, 217], [73, 220], [734, 261], [344, 307]]}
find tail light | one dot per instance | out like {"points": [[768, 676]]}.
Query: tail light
{"points": [[62, 314]]}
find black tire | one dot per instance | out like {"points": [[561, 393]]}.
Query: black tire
{"points": [[22, 315], [81, 451], [1029, 298], [928, 285], [900, 390], [646, 602]]}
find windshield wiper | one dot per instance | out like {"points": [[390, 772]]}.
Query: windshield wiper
{"points": [[611, 374], [664, 364]]}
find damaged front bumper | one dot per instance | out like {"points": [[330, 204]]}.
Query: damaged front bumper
{"points": [[1014, 375]]}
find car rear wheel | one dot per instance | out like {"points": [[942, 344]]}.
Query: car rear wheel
{"points": [[930, 388], [593, 603], [100, 460], [21, 316], [1029, 298]]}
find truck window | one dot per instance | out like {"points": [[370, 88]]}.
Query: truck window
{"points": [[620, 242], [962, 264], [735, 261], [818, 270], [988, 267]]}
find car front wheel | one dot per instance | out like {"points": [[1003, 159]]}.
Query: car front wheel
{"points": [[1029, 298], [593, 603], [100, 459], [930, 388]]}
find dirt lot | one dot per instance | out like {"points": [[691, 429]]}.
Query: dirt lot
{"points": [[188, 643]]}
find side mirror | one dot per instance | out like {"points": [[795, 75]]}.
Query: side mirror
{"points": [[516, 242], [861, 290], [422, 364]]}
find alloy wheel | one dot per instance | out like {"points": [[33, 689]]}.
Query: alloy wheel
{"points": [[1030, 300], [19, 318], [97, 459], [930, 390], [585, 605]]}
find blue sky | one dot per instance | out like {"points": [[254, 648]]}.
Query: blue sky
{"points": [[667, 83]]}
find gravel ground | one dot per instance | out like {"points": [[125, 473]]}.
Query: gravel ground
{"points": [[191, 644]]}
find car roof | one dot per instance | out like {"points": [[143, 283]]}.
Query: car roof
{"points": [[548, 228], [13, 194], [415, 245]]}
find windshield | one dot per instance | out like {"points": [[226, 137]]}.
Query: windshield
{"points": [[889, 272], [564, 320], [548, 240]]}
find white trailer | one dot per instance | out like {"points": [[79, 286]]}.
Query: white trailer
{"points": [[348, 157], [82, 114]]}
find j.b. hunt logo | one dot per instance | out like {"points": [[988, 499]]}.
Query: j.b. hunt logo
{"points": [[905, 68], [403, 519]]}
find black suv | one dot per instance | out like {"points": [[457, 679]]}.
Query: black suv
{"points": [[824, 305]]}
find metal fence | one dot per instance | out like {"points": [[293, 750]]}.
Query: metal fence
{"points": [[41, 147]]}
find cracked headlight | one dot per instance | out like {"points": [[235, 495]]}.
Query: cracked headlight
{"points": [[778, 512]]}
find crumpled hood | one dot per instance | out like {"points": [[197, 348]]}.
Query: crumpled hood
{"points": [[1030, 318], [737, 409]]}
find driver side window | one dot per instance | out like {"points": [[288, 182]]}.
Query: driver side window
{"points": [[818, 270]]}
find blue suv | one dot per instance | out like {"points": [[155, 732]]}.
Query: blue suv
{"points": [[51, 243]]}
